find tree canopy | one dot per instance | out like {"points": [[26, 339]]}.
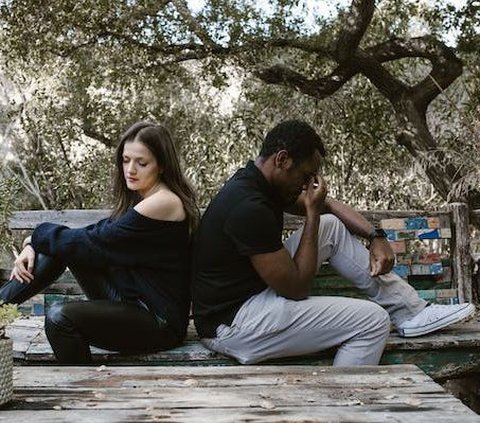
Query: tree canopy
{"points": [[361, 75]]}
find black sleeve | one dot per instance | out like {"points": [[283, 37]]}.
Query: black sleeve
{"points": [[121, 242], [253, 228]]}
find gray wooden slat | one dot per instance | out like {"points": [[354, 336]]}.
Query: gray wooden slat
{"points": [[246, 395], [29, 219], [115, 376], [459, 335], [30, 343], [237, 393], [462, 266], [405, 414], [446, 354]]}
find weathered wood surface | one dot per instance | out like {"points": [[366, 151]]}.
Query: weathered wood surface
{"points": [[226, 394], [451, 352], [461, 258], [29, 219]]}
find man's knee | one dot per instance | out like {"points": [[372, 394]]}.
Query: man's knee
{"points": [[331, 230], [379, 319], [330, 221]]}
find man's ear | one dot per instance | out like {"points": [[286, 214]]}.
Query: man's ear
{"points": [[283, 160]]}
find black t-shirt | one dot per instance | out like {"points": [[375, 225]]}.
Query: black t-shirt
{"points": [[245, 218]]}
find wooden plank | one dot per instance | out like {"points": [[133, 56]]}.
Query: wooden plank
{"points": [[292, 222], [462, 261], [451, 352], [459, 335], [405, 377], [263, 413], [29, 219], [235, 393]]}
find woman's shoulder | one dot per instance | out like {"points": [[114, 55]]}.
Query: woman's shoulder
{"points": [[162, 205]]}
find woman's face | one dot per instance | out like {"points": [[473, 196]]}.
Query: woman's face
{"points": [[140, 168]]}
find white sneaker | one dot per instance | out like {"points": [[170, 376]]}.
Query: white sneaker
{"points": [[434, 317]]}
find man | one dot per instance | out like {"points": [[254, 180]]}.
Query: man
{"points": [[251, 291]]}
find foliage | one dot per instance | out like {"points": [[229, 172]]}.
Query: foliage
{"points": [[364, 167], [92, 68], [53, 174], [457, 128], [8, 194], [8, 313]]}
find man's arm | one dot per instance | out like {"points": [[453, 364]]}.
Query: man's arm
{"points": [[381, 254], [292, 277], [352, 219]]}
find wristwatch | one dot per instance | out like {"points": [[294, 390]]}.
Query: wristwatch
{"points": [[376, 233]]}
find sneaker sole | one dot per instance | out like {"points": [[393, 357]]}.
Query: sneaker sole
{"points": [[460, 315]]}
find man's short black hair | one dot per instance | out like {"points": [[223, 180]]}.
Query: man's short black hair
{"points": [[298, 138]]}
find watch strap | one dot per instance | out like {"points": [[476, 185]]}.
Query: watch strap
{"points": [[377, 233]]}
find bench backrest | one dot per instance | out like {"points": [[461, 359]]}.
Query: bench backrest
{"points": [[457, 213]]}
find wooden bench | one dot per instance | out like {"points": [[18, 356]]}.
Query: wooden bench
{"points": [[456, 350], [457, 215], [451, 353]]}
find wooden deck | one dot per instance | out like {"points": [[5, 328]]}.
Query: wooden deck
{"points": [[401, 393], [449, 353]]}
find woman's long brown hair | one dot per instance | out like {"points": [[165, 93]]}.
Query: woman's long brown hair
{"points": [[159, 141]]}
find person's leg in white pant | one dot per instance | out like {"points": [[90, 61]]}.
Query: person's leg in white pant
{"points": [[270, 326], [408, 312], [350, 258]]}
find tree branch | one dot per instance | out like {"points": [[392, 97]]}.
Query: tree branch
{"points": [[319, 88], [192, 23], [384, 81], [92, 133], [446, 67], [355, 23]]}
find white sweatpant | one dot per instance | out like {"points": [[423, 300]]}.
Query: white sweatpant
{"points": [[270, 326]]}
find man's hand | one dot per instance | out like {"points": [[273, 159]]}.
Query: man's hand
{"points": [[381, 256], [315, 195], [23, 266]]}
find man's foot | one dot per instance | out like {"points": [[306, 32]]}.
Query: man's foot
{"points": [[435, 317]]}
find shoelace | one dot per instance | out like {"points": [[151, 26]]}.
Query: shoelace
{"points": [[434, 309]]}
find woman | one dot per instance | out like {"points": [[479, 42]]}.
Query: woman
{"points": [[134, 268]]}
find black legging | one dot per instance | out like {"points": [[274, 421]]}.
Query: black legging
{"points": [[107, 320]]}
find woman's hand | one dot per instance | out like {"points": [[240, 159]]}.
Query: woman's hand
{"points": [[23, 266]]}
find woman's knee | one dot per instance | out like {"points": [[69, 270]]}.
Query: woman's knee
{"points": [[58, 317], [68, 344], [48, 267]]}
